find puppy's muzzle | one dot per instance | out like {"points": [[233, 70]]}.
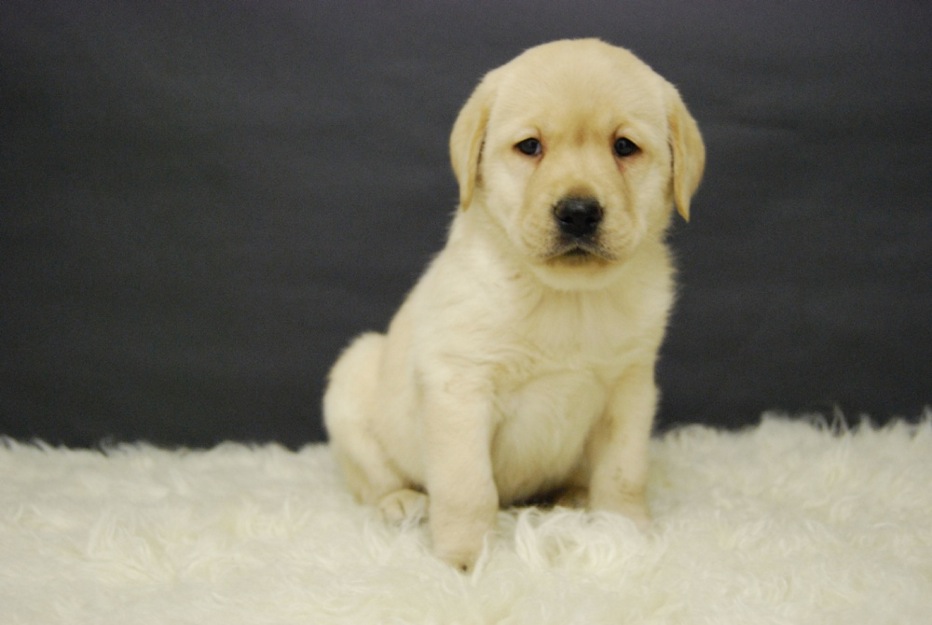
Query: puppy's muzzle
{"points": [[578, 218]]}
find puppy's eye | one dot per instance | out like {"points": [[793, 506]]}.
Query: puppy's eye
{"points": [[625, 147], [531, 147]]}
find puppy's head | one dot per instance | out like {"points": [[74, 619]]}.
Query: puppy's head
{"points": [[577, 151]]}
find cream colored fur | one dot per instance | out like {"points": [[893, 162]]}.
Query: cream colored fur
{"points": [[522, 364]]}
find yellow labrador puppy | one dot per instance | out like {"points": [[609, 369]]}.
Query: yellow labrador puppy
{"points": [[522, 363]]}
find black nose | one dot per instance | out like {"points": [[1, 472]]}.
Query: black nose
{"points": [[578, 216]]}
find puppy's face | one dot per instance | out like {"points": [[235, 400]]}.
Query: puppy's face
{"points": [[577, 151]]}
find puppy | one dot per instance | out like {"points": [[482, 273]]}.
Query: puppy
{"points": [[522, 362]]}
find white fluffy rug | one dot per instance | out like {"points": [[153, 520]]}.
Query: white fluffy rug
{"points": [[788, 522]]}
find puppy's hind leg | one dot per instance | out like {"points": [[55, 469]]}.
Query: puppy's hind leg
{"points": [[349, 405]]}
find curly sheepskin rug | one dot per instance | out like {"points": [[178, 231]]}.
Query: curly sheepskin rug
{"points": [[794, 521]]}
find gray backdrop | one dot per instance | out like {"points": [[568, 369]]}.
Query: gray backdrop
{"points": [[201, 202]]}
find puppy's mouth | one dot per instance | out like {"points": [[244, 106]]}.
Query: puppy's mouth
{"points": [[578, 252]]}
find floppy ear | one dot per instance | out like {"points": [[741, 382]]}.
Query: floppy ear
{"points": [[688, 152], [467, 137]]}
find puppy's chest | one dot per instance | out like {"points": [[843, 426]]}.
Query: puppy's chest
{"points": [[572, 335], [559, 367], [551, 386]]}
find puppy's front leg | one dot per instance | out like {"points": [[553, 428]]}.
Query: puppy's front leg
{"points": [[618, 452], [460, 483]]}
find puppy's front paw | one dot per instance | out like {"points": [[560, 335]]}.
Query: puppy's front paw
{"points": [[459, 538], [636, 510], [639, 514], [460, 556], [634, 507]]}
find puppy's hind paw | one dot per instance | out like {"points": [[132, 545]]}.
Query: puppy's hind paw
{"points": [[403, 506]]}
